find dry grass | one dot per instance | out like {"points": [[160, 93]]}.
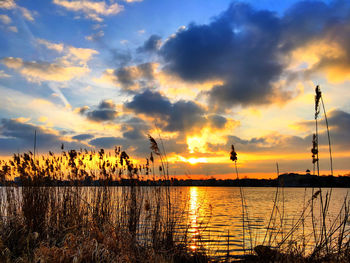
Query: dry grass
{"points": [[40, 223]]}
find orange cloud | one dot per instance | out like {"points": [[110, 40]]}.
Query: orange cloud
{"points": [[91, 10], [42, 71]]}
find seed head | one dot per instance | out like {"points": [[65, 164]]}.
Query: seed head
{"points": [[233, 154], [317, 100], [154, 146]]}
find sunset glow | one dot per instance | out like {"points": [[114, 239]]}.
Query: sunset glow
{"points": [[99, 74]]}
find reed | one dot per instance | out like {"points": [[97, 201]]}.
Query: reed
{"points": [[43, 222], [330, 236]]}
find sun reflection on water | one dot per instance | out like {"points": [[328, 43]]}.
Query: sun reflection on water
{"points": [[193, 218]]}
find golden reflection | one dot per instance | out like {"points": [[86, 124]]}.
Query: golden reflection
{"points": [[193, 218]]}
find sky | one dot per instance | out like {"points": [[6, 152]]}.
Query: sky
{"points": [[202, 75]]}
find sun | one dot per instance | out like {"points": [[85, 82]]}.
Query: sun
{"points": [[193, 160]]}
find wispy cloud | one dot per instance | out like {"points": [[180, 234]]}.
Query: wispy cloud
{"points": [[3, 74], [49, 45], [37, 71], [105, 111], [133, 1], [91, 10], [95, 36], [5, 19], [8, 4], [12, 5], [72, 55]]}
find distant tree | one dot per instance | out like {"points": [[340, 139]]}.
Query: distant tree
{"points": [[307, 172]]}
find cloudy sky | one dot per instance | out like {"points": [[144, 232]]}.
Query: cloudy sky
{"points": [[201, 74]]}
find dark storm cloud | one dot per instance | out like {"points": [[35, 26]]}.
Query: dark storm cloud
{"points": [[307, 20], [151, 45], [185, 115], [179, 116], [124, 76], [149, 103], [17, 136], [105, 111], [248, 49], [102, 115], [339, 121], [83, 137], [135, 129], [106, 104], [83, 110], [108, 142], [239, 47], [217, 121], [129, 77], [339, 125], [134, 134]]}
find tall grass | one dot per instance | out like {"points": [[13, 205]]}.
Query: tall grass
{"points": [[331, 239], [39, 223]]}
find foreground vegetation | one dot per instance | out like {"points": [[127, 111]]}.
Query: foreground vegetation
{"points": [[138, 224], [76, 224]]}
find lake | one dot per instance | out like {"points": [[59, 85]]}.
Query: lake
{"points": [[211, 217], [215, 215]]}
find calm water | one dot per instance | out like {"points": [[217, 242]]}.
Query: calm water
{"points": [[215, 215], [212, 216]]}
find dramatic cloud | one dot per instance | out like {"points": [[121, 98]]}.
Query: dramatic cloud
{"points": [[19, 136], [150, 103], [131, 78], [107, 142], [179, 116], [339, 122], [83, 137], [105, 111], [249, 50], [152, 44], [239, 47], [91, 10], [339, 125], [135, 129], [217, 121]]}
